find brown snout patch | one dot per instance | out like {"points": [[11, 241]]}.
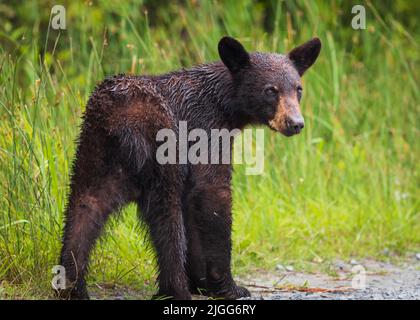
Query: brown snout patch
{"points": [[279, 121], [285, 109]]}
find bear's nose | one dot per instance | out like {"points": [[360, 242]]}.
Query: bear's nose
{"points": [[295, 124]]}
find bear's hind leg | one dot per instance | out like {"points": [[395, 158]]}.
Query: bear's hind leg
{"points": [[162, 211], [86, 214]]}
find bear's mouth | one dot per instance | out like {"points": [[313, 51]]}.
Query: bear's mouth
{"points": [[281, 128]]}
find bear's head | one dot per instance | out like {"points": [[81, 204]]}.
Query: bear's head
{"points": [[267, 86]]}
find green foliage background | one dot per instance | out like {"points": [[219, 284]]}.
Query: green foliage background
{"points": [[347, 187]]}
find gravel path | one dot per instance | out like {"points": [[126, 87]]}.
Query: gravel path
{"points": [[382, 281]]}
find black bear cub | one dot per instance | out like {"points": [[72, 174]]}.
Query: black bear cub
{"points": [[187, 207]]}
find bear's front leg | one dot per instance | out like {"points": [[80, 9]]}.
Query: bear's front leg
{"points": [[209, 208]]}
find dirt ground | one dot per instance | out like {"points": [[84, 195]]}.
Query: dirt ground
{"points": [[352, 280], [381, 281]]}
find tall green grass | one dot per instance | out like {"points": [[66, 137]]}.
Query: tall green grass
{"points": [[348, 186]]}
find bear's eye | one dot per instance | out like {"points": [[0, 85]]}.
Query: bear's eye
{"points": [[271, 91], [299, 92]]}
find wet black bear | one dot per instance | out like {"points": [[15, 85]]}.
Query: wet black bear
{"points": [[187, 207]]}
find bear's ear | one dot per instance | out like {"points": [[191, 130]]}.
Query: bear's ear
{"points": [[305, 55], [233, 54]]}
